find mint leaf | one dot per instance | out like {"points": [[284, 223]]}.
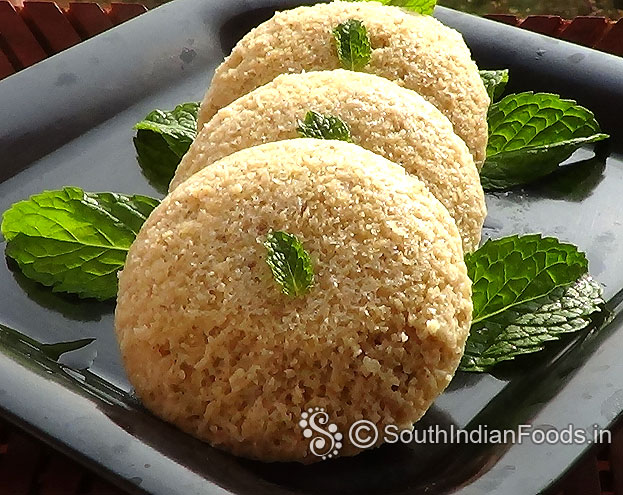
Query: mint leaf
{"points": [[515, 270], [525, 328], [424, 7], [156, 160], [353, 44], [75, 241], [290, 263], [530, 134], [162, 139], [177, 127], [495, 82], [320, 126]]}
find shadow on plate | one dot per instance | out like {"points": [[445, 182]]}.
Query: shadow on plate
{"points": [[70, 306], [575, 181]]}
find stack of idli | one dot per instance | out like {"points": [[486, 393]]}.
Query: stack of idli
{"points": [[209, 340]]}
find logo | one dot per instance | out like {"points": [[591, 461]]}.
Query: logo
{"points": [[324, 442], [363, 434]]}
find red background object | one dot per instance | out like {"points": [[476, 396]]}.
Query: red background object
{"points": [[88, 19], [595, 32], [37, 30]]}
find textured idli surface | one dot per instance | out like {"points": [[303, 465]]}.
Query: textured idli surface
{"points": [[416, 51], [383, 117], [211, 344]]}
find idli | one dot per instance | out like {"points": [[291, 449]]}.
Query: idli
{"points": [[382, 117], [415, 51], [212, 344]]}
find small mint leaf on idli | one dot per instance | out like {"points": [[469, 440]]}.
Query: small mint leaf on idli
{"points": [[75, 241], [531, 134], [318, 126], [290, 264], [162, 139], [424, 7], [526, 290], [495, 82], [526, 328], [353, 44]]}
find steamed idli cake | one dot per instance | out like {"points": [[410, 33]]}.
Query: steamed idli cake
{"points": [[382, 117], [415, 51], [210, 342]]}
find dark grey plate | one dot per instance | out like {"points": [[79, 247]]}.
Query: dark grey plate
{"points": [[68, 120]]}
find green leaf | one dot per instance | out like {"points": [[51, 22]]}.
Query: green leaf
{"points": [[525, 328], [495, 82], [515, 270], [75, 241], [55, 351], [353, 44], [530, 134], [320, 126], [177, 127], [290, 263], [424, 7], [515, 168], [156, 160], [163, 138]]}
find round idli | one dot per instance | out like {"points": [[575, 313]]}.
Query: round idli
{"points": [[415, 51], [382, 117], [210, 342]]}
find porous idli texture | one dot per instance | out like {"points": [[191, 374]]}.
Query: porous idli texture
{"points": [[415, 51], [211, 343], [383, 117]]}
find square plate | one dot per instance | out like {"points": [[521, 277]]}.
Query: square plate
{"points": [[68, 121]]}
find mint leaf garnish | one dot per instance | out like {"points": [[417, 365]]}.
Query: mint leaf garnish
{"points": [[424, 7], [75, 241], [290, 263], [526, 290], [353, 44], [519, 269], [525, 328], [177, 127], [495, 82], [530, 134], [318, 126], [162, 139]]}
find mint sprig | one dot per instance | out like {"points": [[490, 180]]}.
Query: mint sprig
{"points": [[290, 264], [424, 7], [318, 126], [526, 328], [162, 139], [526, 290], [75, 241], [353, 44], [514, 270], [495, 82], [530, 134]]}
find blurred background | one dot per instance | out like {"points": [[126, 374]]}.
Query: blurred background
{"points": [[565, 8], [522, 8]]}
